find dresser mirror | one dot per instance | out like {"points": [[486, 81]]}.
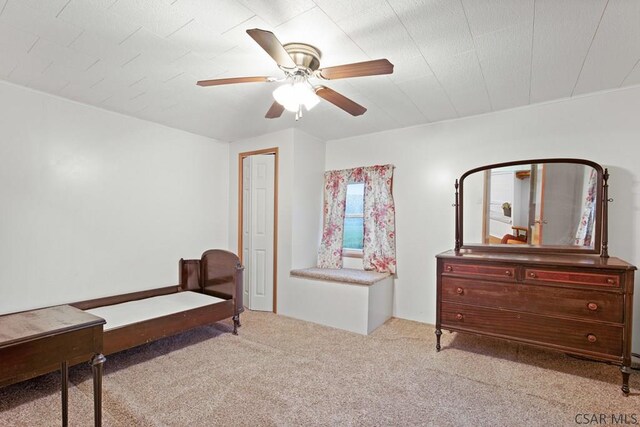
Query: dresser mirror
{"points": [[548, 205]]}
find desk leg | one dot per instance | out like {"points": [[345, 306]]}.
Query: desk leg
{"points": [[64, 374], [96, 366]]}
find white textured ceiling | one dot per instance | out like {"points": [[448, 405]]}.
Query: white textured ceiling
{"points": [[453, 58]]}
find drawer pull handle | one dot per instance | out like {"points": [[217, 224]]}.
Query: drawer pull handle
{"points": [[592, 306], [460, 291], [508, 272], [459, 316], [592, 338], [449, 268], [532, 275], [611, 281]]}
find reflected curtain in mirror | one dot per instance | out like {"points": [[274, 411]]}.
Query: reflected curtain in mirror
{"points": [[585, 228]]}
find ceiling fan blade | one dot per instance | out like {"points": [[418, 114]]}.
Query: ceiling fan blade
{"points": [[340, 101], [270, 43], [358, 69], [275, 111], [217, 82]]}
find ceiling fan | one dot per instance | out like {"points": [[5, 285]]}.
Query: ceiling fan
{"points": [[301, 62]]}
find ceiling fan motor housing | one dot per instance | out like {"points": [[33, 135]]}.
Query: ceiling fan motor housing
{"points": [[305, 56]]}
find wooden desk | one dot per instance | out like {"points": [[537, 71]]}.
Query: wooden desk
{"points": [[36, 342]]}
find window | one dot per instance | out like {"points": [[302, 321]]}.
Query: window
{"points": [[354, 217]]}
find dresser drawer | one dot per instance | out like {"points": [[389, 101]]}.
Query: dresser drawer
{"points": [[563, 334], [479, 270], [534, 275], [554, 301]]}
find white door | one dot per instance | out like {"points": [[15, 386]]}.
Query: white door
{"points": [[257, 229]]}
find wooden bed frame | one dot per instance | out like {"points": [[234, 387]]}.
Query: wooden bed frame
{"points": [[217, 273]]}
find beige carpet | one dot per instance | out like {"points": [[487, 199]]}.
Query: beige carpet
{"points": [[281, 371]]}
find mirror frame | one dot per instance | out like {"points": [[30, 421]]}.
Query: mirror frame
{"points": [[600, 226]]}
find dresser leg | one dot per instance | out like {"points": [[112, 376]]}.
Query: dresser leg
{"points": [[626, 371], [236, 323], [438, 334], [97, 362]]}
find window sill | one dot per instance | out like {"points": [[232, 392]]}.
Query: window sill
{"points": [[352, 253]]}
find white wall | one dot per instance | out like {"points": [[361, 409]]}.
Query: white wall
{"points": [[301, 170], [308, 166], [298, 298], [602, 127], [94, 203]]}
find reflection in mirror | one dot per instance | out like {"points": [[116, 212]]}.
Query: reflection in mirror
{"points": [[546, 204]]}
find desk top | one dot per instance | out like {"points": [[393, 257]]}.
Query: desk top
{"points": [[29, 325]]}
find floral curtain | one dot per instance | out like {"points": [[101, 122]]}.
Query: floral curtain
{"points": [[335, 197], [585, 227], [379, 217], [379, 220]]}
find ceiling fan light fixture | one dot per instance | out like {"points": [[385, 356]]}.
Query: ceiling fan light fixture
{"points": [[292, 95], [293, 108], [306, 95], [286, 96], [283, 94]]}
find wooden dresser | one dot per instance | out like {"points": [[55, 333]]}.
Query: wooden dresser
{"points": [[577, 304]]}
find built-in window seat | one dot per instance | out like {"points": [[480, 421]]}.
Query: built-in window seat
{"points": [[341, 275], [351, 299]]}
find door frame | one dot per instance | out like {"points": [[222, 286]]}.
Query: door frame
{"points": [[241, 157]]}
